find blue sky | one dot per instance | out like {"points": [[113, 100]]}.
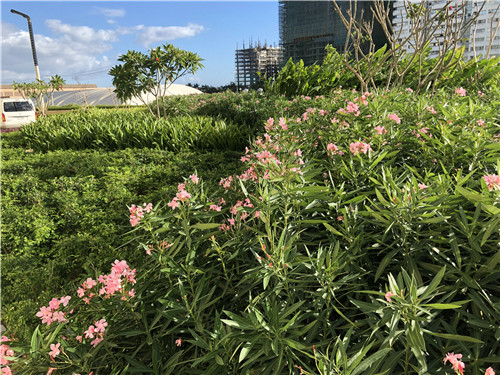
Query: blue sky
{"points": [[81, 40]]}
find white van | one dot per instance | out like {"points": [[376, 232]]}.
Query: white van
{"points": [[17, 112]]}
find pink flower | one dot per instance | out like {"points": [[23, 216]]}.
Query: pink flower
{"points": [[54, 350], [96, 341], [89, 333], [480, 122], [134, 220], [194, 178], [148, 207], [269, 123], [231, 221], [331, 147], [340, 218], [455, 361], [493, 181], [214, 207], [49, 371], [395, 118], [173, 204], [79, 338], [409, 90], [489, 371], [357, 147], [388, 296], [54, 304], [282, 123], [380, 130], [100, 325], [65, 300], [181, 187], [422, 186], [178, 342], [460, 92], [89, 283], [6, 370], [353, 108], [183, 195]]}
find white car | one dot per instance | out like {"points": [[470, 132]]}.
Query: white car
{"points": [[17, 112]]}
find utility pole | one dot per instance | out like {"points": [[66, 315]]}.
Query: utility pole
{"points": [[33, 49], [32, 39]]}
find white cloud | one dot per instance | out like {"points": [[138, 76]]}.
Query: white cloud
{"points": [[149, 35], [111, 13], [65, 55], [75, 50]]}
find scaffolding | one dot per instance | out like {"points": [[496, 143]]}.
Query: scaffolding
{"points": [[250, 61], [307, 27]]}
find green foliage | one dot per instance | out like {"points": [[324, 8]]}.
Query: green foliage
{"points": [[40, 90], [118, 130], [153, 73], [62, 214], [296, 79], [323, 260]]}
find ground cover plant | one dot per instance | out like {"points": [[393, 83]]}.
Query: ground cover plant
{"points": [[360, 237], [62, 214]]}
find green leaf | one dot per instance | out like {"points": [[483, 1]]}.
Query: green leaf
{"points": [[454, 337], [371, 360], [434, 283], [205, 225], [441, 306], [244, 352]]}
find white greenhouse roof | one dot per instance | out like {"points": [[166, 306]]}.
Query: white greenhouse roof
{"points": [[107, 96]]}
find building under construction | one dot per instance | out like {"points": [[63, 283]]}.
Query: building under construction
{"points": [[307, 27], [256, 59]]}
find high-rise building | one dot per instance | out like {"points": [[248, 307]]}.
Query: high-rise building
{"points": [[476, 38], [256, 59], [306, 27]]}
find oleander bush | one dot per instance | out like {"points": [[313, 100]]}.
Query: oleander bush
{"points": [[360, 237]]}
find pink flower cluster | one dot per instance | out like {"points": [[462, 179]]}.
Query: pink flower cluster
{"points": [[394, 117], [493, 181], [333, 149], [359, 147], [454, 359], [50, 314], [420, 132], [460, 92], [5, 351], [352, 108], [137, 212], [110, 284], [95, 332], [430, 109], [380, 130], [182, 194]]}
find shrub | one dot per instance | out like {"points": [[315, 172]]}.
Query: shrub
{"points": [[350, 244]]}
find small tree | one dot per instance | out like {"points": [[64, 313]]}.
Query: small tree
{"points": [[153, 73], [40, 91]]}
